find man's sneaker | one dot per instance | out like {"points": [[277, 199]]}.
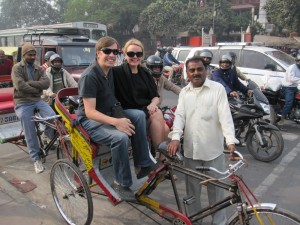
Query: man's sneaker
{"points": [[145, 171], [125, 193], [38, 166]]}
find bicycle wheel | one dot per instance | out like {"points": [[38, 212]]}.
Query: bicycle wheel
{"points": [[275, 216], [66, 153], [271, 150], [71, 193]]}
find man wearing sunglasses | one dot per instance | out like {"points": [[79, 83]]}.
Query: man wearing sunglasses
{"points": [[289, 87], [203, 117], [101, 115]]}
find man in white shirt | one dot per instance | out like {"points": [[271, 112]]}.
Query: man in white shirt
{"points": [[204, 114], [289, 87]]}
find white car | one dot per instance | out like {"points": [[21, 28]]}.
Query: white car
{"points": [[251, 60]]}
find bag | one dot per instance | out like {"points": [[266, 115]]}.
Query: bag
{"points": [[117, 111], [273, 84]]}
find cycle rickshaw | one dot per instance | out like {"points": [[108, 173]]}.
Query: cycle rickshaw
{"points": [[73, 177]]}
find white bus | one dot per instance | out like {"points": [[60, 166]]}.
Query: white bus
{"points": [[13, 37]]}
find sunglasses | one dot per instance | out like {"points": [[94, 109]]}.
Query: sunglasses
{"points": [[132, 54], [192, 70], [107, 51]]}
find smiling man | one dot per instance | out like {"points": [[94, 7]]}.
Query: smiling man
{"points": [[203, 112]]}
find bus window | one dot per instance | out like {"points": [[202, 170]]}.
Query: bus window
{"points": [[97, 34], [77, 55]]}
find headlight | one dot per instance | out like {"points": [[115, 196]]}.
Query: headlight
{"points": [[265, 107]]}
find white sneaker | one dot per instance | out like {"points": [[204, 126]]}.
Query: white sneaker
{"points": [[38, 166]]}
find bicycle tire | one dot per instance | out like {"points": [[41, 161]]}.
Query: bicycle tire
{"points": [[71, 193], [279, 217], [269, 153]]}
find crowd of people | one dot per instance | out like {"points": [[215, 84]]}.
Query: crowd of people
{"points": [[120, 102]]}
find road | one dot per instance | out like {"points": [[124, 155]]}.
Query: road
{"points": [[277, 182]]}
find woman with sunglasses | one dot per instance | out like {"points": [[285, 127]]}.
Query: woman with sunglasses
{"points": [[105, 121], [135, 89]]}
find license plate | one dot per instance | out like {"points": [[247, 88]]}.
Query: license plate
{"points": [[8, 118]]}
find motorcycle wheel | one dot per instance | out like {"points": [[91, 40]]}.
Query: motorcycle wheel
{"points": [[273, 115], [271, 150]]}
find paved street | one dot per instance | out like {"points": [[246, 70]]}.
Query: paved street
{"points": [[277, 182]]}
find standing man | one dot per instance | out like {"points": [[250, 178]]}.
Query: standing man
{"points": [[203, 117], [5, 64], [29, 82], [101, 115], [289, 87]]}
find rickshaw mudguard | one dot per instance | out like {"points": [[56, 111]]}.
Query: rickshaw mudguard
{"points": [[82, 144]]}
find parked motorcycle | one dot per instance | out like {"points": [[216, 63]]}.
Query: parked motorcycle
{"points": [[276, 99], [263, 140]]}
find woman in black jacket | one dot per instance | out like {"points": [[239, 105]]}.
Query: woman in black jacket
{"points": [[135, 89]]}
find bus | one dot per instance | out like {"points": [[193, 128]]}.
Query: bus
{"points": [[92, 30]]}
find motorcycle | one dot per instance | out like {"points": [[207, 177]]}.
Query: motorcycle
{"points": [[174, 75], [276, 99], [263, 140]]}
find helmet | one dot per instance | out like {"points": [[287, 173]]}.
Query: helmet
{"points": [[152, 61], [270, 67], [225, 58], [233, 56], [48, 55], [205, 53], [169, 49], [52, 58]]}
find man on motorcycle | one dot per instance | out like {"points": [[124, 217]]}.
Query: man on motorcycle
{"points": [[169, 59], [289, 87], [206, 57], [47, 60], [155, 65], [228, 78]]}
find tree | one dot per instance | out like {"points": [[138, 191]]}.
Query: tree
{"points": [[165, 17], [284, 14], [120, 15], [15, 14]]}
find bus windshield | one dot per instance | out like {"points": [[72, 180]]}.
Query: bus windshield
{"points": [[78, 55]]}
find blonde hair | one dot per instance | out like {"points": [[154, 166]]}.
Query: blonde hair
{"points": [[136, 42]]}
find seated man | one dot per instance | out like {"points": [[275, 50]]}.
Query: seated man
{"points": [[228, 78], [5, 64], [59, 79], [101, 115], [29, 82]]}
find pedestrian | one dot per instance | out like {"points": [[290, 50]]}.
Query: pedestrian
{"points": [[135, 89], [5, 64], [103, 118], [29, 82], [203, 117], [289, 87], [59, 79]]}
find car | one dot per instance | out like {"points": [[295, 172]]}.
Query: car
{"points": [[252, 59], [180, 53]]}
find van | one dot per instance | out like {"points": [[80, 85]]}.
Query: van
{"points": [[251, 60], [77, 52], [180, 53]]}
